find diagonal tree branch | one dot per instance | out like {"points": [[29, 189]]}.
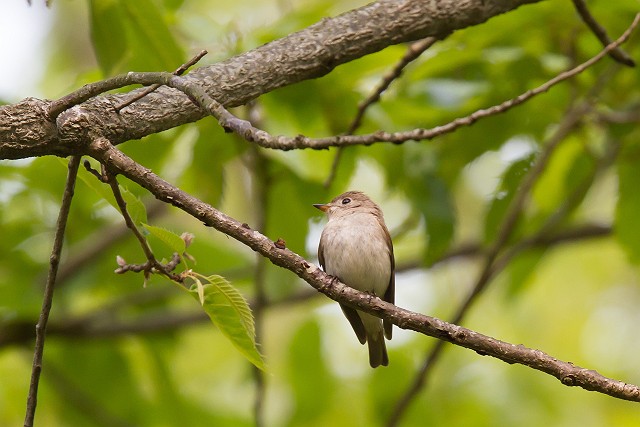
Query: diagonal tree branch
{"points": [[413, 52], [567, 373], [599, 31], [102, 323]]}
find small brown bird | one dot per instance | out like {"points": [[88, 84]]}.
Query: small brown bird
{"points": [[356, 247]]}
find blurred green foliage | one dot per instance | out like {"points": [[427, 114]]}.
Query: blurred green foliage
{"points": [[119, 354]]}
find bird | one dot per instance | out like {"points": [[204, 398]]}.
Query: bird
{"points": [[356, 248]]}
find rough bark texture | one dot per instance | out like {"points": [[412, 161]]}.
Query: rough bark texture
{"points": [[309, 53]]}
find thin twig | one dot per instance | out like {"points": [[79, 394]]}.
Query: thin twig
{"points": [[561, 213], [494, 264], [516, 206], [178, 72], [414, 50], [152, 263], [97, 243], [89, 91], [47, 301], [115, 189], [618, 54], [587, 231]]}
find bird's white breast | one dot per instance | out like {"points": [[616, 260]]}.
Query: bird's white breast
{"points": [[362, 259]]}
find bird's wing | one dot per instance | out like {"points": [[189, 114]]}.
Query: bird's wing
{"points": [[390, 293], [356, 322]]}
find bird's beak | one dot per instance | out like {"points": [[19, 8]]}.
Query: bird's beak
{"points": [[322, 207]]}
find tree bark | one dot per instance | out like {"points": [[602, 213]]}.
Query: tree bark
{"points": [[26, 129]]}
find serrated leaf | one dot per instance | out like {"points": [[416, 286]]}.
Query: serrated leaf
{"points": [[230, 312], [169, 238]]}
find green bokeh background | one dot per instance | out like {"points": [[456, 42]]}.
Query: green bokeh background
{"points": [[577, 300]]}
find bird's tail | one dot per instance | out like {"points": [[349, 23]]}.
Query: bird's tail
{"points": [[377, 349]]}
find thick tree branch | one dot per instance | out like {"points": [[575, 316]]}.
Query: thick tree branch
{"points": [[96, 126], [246, 130], [26, 128], [567, 373]]}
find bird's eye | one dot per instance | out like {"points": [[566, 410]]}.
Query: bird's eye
{"points": [[346, 200]]}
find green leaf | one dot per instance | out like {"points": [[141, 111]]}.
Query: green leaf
{"points": [[571, 168], [291, 227], [151, 36], [200, 289], [230, 312], [137, 210], [412, 169], [100, 188], [133, 35], [108, 35], [169, 238]]}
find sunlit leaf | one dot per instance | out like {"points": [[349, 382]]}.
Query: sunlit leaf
{"points": [[171, 239], [230, 312], [136, 209], [199, 289]]}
